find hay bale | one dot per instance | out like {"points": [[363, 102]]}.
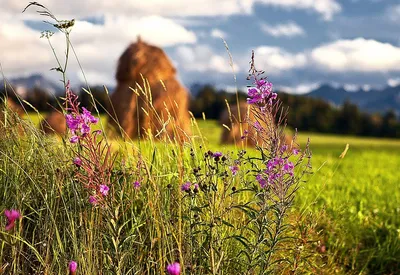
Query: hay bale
{"points": [[165, 100], [238, 122], [10, 114], [54, 123]]}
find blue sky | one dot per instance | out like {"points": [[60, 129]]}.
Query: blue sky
{"points": [[299, 43]]}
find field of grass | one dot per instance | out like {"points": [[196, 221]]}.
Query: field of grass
{"points": [[352, 202], [355, 199]]}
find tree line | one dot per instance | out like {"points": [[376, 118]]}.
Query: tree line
{"points": [[306, 113]]}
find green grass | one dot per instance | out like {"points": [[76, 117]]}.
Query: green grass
{"points": [[354, 200]]}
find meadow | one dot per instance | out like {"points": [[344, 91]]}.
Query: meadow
{"points": [[346, 213], [354, 199]]}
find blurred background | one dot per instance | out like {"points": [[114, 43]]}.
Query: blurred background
{"points": [[335, 63]]}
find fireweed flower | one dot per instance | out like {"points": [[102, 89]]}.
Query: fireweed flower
{"points": [[174, 269], [196, 187], [104, 189], [79, 124], [234, 169], [11, 215], [295, 151], [261, 94], [186, 186], [72, 266], [263, 183], [77, 161], [74, 139]]}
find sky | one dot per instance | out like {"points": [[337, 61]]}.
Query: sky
{"points": [[300, 44]]}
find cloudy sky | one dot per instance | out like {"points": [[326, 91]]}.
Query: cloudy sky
{"points": [[299, 43]]}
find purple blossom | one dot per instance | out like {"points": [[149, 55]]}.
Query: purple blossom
{"points": [[77, 161], [234, 169], [136, 184], [263, 183], [186, 186], [72, 122], [74, 139], [261, 94], [93, 200], [88, 117], [196, 187], [11, 215], [217, 155], [104, 189], [72, 266], [295, 151], [174, 269]]}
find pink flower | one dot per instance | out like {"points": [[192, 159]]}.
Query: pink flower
{"points": [[72, 266], [234, 169], [136, 184], [174, 269], [77, 161], [74, 139], [11, 216], [104, 189], [186, 186], [93, 200]]}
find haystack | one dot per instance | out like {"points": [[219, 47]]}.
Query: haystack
{"points": [[161, 106], [237, 120], [10, 113], [54, 123]]}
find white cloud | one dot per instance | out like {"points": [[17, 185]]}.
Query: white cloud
{"points": [[289, 29], [302, 88], [276, 60], [97, 46], [327, 8], [393, 82], [179, 8], [217, 33], [351, 87], [201, 58], [357, 55]]}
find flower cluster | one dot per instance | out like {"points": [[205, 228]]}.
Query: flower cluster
{"points": [[186, 187], [93, 173], [277, 169], [11, 215], [79, 124], [262, 93]]}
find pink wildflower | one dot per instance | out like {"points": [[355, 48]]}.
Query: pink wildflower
{"points": [[136, 184], [104, 189], [93, 200], [11, 216], [72, 266], [234, 169], [174, 269], [186, 187], [77, 161]]}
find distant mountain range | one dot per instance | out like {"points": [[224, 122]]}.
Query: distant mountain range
{"points": [[35, 80], [370, 101]]}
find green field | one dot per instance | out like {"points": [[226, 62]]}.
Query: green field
{"points": [[355, 199], [351, 202]]}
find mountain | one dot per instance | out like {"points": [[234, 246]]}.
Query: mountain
{"points": [[22, 84], [371, 101]]}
